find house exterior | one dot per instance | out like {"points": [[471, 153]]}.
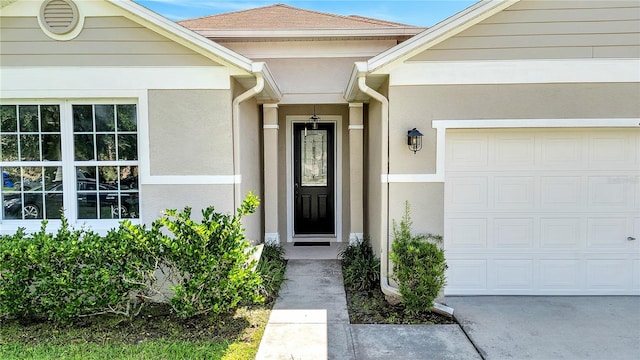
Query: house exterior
{"points": [[530, 112]]}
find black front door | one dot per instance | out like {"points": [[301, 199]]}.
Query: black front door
{"points": [[314, 179]]}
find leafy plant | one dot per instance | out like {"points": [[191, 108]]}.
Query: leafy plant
{"points": [[419, 265], [271, 268], [211, 260], [360, 266]]}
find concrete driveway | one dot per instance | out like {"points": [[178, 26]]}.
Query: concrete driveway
{"points": [[551, 327]]}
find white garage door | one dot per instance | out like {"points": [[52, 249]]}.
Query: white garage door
{"points": [[536, 212]]}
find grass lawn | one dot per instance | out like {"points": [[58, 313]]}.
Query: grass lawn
{"points": [[155, 335]]}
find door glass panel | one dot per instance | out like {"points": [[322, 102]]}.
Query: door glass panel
{"points": [[314, 157]]}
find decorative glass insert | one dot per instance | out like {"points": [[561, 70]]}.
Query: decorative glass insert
{"points": [[314, 157]]}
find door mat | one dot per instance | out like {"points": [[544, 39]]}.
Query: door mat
{"points": [[311, 243]]}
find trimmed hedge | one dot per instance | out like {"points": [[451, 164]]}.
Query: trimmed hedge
{"points": [[76, 273]]}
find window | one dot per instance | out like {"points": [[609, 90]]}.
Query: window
{"points": [[37, 160]]}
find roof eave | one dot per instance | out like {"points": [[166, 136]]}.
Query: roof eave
{"points": [[439, 33], [306, 33]]}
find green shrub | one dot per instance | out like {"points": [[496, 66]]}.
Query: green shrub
{"points": [[271, 268], [211, 261], [69, 274], [418, 265], [360, 266]]}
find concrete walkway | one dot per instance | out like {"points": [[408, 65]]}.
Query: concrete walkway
{"points": [[310, 321]]}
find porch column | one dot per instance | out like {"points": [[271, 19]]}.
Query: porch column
{"points": [[270, 195], [356, 177]]}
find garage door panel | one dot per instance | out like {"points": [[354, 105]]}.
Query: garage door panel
{"points": [[561, 152], [561, 192], [513, 151], [468, 192], [561, 274], [467, 274], [609, 192], [468, 151], [611, 150], [513, 274], [607, 233], [608, 274], [467, 233], [561, 233], [513, 233], [513, 192], [550, 213]]}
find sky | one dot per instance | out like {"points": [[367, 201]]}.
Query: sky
{"points": [[423, 13]]}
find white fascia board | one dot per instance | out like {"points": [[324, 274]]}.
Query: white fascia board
{"points": [[360, 68], [536, 123], [439, 33], [516, 72], [184, 36], [271, 86], [306, 33], [47, 82]]}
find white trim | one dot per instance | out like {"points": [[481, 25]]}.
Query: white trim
{"points": [[356, 127], [43, 82], [516, 72], [272, 106], [356, 105], [190, 179], [442, 125], [337, 120], [535, 123], [271, 126], [272, 238], [414, 178]]}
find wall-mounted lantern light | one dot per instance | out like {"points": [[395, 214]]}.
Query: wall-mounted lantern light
{"points": [[414, 140]]}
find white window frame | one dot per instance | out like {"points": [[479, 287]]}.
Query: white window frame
{"points": [[69, 165]]}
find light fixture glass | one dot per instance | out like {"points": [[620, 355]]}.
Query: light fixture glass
{"points": [[414, 140]]}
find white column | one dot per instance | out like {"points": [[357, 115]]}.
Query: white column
{"points": [[356, 173], [270, 153]]}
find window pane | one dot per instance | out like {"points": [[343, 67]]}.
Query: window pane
{"points": [[50, 121], [106, 145], [83, 145], [30, 147], [51, 149], [8, 118], [127, 118], [28, 118], [105, 118], [53, 205], [108, 177], [9, 147], [129, 177], [31, 179], [11, 178], [87, 205], [82, 118], [86, 173], [129, 205], [127, 147]]}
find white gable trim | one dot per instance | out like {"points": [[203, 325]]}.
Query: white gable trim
{"points": [[438, 33], [516, 72]]}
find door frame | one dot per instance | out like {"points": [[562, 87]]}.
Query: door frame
{"points": [[337, 193]]}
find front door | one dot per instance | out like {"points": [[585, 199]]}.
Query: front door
{"points": [[313, 161]]}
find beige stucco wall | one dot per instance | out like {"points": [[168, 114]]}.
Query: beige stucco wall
{"points": [[418, 106], [307, 110], [23, 43], [251, 164], [189, 132], [533, 29], [157, 198]]}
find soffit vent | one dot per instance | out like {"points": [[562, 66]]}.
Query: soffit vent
{"points": [[59, 16]]}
